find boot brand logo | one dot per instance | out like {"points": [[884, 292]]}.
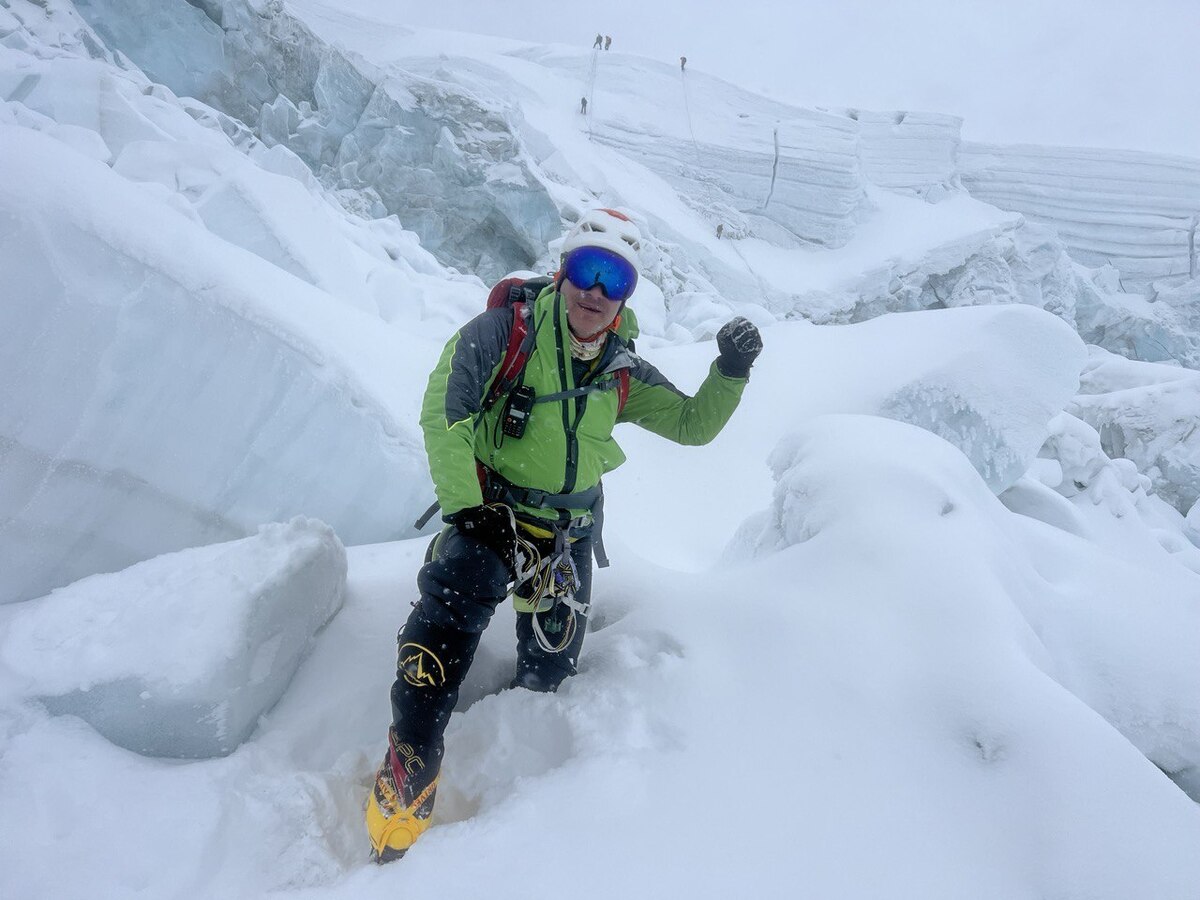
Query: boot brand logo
{"points": [[412, 762], [421, 666]]}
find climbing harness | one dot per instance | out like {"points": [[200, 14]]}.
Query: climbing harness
{"points": [[545, 577]]}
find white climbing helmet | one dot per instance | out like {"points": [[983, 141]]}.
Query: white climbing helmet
{"points": [[609, 229]]}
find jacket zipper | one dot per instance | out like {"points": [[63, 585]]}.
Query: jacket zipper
{"points": [[564, 356], [564, 378]]}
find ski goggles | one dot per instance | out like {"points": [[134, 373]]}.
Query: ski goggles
{"points": [[586, 267]]}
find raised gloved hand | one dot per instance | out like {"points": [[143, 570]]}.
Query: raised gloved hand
{"points": [[739, 344], [492, 526]]}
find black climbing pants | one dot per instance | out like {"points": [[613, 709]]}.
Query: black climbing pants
{"points": [[460, 585]]}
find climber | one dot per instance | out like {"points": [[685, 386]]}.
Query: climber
{"points": [[517, 453]]}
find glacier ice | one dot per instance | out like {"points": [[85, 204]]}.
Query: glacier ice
{"points": [[1191, 528], [181, 654], [1029, 263], [1147, 413], [446, 162], [1135, 211], [1108, 499], [800, 173], [121, 353], [1163, 329], [909, 151]]}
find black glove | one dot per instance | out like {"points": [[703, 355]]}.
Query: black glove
{"points": [[739, 344], [492, 526]]}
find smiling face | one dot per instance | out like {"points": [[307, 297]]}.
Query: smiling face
{"points": [[588, 312]]}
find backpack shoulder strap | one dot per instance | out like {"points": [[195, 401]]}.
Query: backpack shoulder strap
{"points": [[622, 388], [512, 367], [621, 370]]}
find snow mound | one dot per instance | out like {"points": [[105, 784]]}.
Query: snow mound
{"points": [[828, 472], [179, 655], [1118, 637], [989, 636], [993, 394]]}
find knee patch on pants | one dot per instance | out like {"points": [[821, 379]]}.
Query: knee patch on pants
{"points": [[462, 584]]}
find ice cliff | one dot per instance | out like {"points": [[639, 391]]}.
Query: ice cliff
{"points": [[443, 160], [164, 389], [1137, 212]]}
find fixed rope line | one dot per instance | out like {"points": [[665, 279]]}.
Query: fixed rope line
{"points": [[687, 112], [762, 287], [712, 200]]}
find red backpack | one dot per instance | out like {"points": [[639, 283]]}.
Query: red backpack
{"points": [[519, 294]]}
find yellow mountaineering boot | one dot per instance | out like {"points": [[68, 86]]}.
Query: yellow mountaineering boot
{"points": [[401, 803]]}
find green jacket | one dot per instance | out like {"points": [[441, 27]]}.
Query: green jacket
{"points": [[568, 444]]}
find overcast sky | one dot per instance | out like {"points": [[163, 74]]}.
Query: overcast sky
{"points": [[1111, 73]]}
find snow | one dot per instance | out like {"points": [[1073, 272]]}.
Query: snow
{"points": [[180, 655], [921, 622], [1145, 412]]}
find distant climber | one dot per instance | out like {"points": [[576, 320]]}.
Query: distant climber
{"points": [[599, 41], [583, 106], [607, 41], [682, 63], [720, 230]]}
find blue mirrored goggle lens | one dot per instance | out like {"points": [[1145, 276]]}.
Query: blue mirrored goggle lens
{"points": [[586, 267]]}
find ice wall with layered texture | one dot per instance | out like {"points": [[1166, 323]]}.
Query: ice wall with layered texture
{"points": [[794, 179], [909, 151], [1135, 211]]}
